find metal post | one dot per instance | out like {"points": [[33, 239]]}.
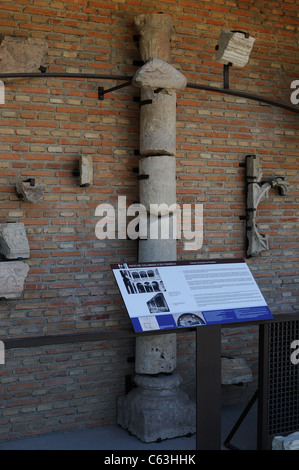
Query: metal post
{"points": [[263, 387], [208, 387]]}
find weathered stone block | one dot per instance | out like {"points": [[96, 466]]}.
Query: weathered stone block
{"points": [[155, 355], [234, 371], [154, 30], [290, 442], [157, 409], [30, 193], [157, 123], [86, 170], [19, 54], [12, 278], [234, 48], [13, 241]]}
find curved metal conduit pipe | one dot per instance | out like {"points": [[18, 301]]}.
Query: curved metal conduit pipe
{"points": [[128, 80]]}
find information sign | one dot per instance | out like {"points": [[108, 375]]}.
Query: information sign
{"points": [[176, 294]]}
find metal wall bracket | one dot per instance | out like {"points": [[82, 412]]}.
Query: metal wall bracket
{"points": [[226, 75], [143, 177], [102, 91], [142, 103]]}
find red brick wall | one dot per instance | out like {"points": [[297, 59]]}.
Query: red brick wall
{"points": [[46, 124]]}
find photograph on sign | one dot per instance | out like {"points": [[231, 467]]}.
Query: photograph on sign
{"points": [[181, 294]]}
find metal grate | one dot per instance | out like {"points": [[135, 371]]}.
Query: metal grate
{"points": [[283, 379]]}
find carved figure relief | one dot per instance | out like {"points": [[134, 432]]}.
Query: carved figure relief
{"points": [[257, 191]]}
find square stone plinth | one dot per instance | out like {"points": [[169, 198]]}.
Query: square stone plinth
{"points": [[157, 409]]}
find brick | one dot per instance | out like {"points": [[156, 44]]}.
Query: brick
{"points": [[46, 124]]}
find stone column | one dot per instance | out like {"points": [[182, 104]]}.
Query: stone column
{"points": [[157, 409]]}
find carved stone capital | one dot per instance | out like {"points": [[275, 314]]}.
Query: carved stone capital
{"points": [[12, 278], [154, 30], [13, 241]]}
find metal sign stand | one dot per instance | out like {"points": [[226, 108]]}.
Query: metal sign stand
{"points": [[208, 387]]}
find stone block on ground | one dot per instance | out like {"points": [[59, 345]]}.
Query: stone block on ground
{"points": [[157, 409], [290, 442], [234, 371]]}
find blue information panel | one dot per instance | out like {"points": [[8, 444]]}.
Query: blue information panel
{"points": [[181, 294]]}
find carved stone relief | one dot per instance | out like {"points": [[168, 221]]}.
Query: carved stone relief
{"points": [[30, 191], [257, 191], [13, 241], [12, 277], [234, 48], [19, 54]]}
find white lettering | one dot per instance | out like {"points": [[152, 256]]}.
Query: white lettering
{"points": [[197, 235], [295, 354], [114, 460], [163, 222], [295, 94], [139, 222], [108, 221], [122, 218]]}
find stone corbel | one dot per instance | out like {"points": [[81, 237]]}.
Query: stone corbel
{"points": [[257, 191], [30, 190]]}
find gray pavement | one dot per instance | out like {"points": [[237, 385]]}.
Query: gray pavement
{"points": [[113, 437]]}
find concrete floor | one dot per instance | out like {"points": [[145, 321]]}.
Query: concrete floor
{"points": [[115, 438]]}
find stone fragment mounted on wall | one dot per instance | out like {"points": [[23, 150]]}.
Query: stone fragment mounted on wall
{"points": [[19, 54], [12, 278], [13, 241], [30, 191], [234, 48], [86, 170], [257, 191]]}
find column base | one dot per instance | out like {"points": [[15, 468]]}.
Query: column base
{"points": [[157, 410]]}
